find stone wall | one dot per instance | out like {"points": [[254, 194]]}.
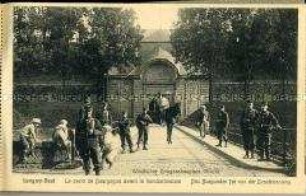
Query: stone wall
{"points": [[133, 94]]}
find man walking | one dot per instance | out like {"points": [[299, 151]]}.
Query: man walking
{"points": [[202, 121], [142, 122], [248, 122], [105, 116], [170, 121], [89, 137], [267, 122], [171, 114], [222, 126], [163, 104], [124, 131]]}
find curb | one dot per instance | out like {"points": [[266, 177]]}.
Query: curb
{"points": [[231, 159]]}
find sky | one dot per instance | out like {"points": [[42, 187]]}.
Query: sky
{"points": [[156, 16]]}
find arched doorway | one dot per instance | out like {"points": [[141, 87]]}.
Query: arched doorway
{"points": [[159, 77]]}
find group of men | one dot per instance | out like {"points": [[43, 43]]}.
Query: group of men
{"points": [[222, 122], [157, 108], [92, 136], [260, 124], [92, 133], [253, 125]]}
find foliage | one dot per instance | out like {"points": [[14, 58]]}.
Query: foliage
{"points": [[237, 44], [74, 41]]}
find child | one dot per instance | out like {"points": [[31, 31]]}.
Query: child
{"points": [[107, 145]]}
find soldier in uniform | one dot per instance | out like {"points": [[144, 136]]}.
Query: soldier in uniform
{"points": [[267, 122], [163, 104], [202, 121], [170, 121], [171, 114], [124, 132], [89, 138], [87, 104], [154, 110], [222, 125], [28, 138], [248, 122], [142, 123], [105, 116]]}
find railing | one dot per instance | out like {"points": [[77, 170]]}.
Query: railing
{"points": [[283, 142]]}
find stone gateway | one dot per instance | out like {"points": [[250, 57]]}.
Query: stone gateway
{"points": [[134, 90]]}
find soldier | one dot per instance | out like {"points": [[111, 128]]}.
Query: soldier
{"points": [[171, 114], [142, 122], [28, 138], [105, 115], [89, 138], [170, 121], [202, 121], [87, 104], [61, 137], [163, 104], [248, 122], [222, 125], [267, 121], [124, 131], [154, 110]]}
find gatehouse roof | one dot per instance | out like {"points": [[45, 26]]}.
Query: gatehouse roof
{"points": [[161, 55], [165, 55]]}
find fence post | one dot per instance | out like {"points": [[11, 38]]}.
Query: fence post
{"points": [[285, 146]]}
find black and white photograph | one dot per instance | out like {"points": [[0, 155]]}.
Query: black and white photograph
{"points": [[153, 91]]}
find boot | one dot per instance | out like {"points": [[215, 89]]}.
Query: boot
{"points": [[110, 165], [252, 154], [145, 148], [246, 156], [261, 156], [169, 141], [87, 172], [109, 162], [220, 144], [268, 158], [97, 172]]}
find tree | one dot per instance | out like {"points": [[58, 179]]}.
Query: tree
{"points": [[62, 26], [62, 42], [237, 44], [198, 41], [29, 54], [114, 40]]}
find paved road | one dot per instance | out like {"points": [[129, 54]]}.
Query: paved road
{"points": [[184, 157]]}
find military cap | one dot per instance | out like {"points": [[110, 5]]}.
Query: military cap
{"points": [[36, 120]]}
